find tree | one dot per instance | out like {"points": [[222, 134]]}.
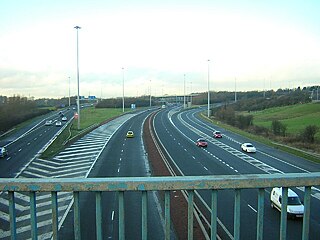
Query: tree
{"points": [[278, 128], [309, 132]]}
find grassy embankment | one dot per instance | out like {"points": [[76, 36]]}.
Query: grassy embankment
{"points": [[295, 117], [90, 117]]}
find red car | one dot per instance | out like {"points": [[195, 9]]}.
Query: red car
{"points": [[201, 142], [217, 134]]}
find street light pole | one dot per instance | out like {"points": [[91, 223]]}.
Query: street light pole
{"points": [[190, 93], [235, 89], [122, 89], [208, 88], [150, 92], [184, 91], [69, 92], [78, 98]]}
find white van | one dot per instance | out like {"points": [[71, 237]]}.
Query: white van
{"points": [[295, 208]]}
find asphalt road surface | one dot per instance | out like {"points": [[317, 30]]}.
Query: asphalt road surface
{"points": [[178, 132]]}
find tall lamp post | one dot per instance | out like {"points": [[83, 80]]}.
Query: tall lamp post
{"points": [[78, 98], [69, 93], [184, 91], [122, 89], [208, 88], [150, 93], [190, 93]]}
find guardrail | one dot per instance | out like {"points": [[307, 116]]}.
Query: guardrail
{"points": [[166, 184]]}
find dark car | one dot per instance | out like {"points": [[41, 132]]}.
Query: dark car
{"points": [[217, 134], [201, 142]]}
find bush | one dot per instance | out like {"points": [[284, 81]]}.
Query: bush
{"points": [[243, 122], [308, 133], [278, 128]]}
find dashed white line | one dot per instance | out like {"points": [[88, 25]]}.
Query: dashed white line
{"points": [[112, 215], [35, 139], [205, 168], [118, 169], [28, 143], [20, 150]]}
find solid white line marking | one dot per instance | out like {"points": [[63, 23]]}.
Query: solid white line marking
{"points": [[252, 208]]}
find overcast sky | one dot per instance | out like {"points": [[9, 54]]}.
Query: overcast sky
{"points": [[157, 45]]}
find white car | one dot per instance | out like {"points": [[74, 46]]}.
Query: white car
{"points": [[64, 118], [3, 152], [58, 124], [248, 147], [48, 123], [295, 208]]}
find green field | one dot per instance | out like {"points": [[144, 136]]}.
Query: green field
{"points": [[90, 116], [296, 117]]}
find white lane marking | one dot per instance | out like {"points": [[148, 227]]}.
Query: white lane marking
{"points": [[20, 150], [252, 208], [8, 158], [112, 215], [193, 157], [28, 143], [120, 159], [35, 139], [118, 169], [205, 168], [186, 150]]}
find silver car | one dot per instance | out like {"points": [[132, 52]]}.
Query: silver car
{"points": [[3, 152]]}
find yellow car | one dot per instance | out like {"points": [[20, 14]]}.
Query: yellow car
{"points": [[130, 134]]}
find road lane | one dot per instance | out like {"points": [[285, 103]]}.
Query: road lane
{"points": [[185, 127], [121, 157]]}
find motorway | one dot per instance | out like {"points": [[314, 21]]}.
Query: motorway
{"points": [[25, 144], [106, 152], [122, 157], [178, 132]]}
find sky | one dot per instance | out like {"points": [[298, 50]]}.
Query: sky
{"points": [[159, 47]]}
